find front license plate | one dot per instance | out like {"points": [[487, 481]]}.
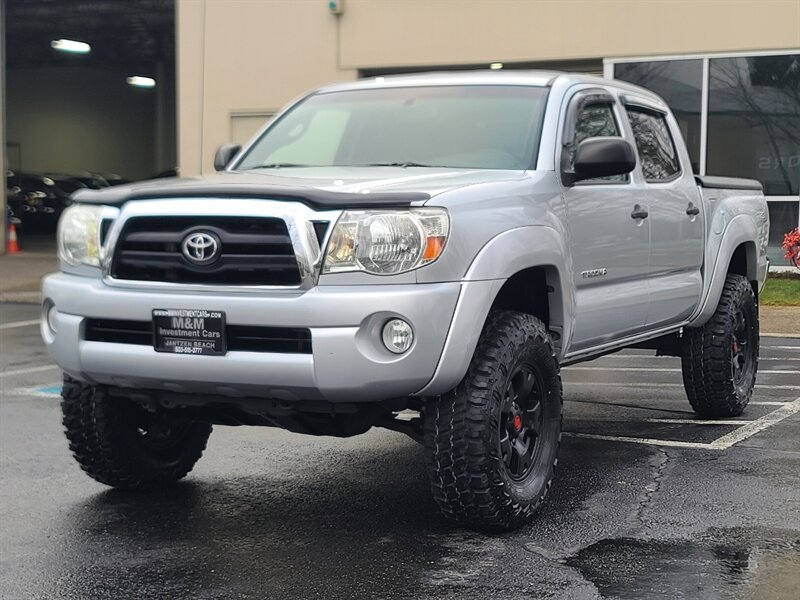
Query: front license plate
{"points": [[182, 331]]}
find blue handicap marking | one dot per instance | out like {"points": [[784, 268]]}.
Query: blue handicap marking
{"points": [[50, 389], [46, 391]]}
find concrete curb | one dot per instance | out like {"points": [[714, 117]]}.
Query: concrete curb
{"points": [[21, 297]]}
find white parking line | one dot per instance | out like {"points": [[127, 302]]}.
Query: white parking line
{"points": [[28, 370], [760, 358], [661, 385], [639, 356], [635, 440], [696, 422], [667, 370], [781, 347], [19, 324], [749, 430]]}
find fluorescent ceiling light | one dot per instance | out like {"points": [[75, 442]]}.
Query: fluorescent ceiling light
{"points": [[71, 46], [144, 82], [496, 66]]}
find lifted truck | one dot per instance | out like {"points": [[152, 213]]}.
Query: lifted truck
{"points": [[434, 246]]}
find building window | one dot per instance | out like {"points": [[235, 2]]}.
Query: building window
{"points": [[754, 121], [783, 217], [680, 83], [740, 117]]}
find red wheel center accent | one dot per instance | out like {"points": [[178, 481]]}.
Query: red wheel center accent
{"points": [[517, 422]]}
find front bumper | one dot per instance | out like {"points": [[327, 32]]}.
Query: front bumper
{"points": [[348, 362]]}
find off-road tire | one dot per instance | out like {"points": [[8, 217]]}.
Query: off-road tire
{"points": [[709, 353], [107, 442], [463, 429]]}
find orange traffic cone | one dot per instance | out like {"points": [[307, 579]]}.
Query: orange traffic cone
{"points": [[12, 246]]}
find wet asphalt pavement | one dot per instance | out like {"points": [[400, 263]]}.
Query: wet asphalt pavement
{"points": [[698, 511]]}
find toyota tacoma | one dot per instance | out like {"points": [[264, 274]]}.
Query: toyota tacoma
{"points": [[420, 253]]}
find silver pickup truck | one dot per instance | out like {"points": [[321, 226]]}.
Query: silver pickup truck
{"points": [[419, 253]]}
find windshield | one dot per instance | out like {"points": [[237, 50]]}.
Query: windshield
{"points": [[474, 127]]}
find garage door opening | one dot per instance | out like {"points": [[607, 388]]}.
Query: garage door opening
{"points": [[89, 100]]}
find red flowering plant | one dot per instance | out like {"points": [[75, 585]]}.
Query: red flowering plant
{"points": [[791, 243]]}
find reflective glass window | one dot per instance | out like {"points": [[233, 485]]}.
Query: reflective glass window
{"points": [[754, 120], [471, 127], [783, 217], [657, 151], [594, 120]]}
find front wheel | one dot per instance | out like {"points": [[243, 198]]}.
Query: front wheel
{"points": [[119, 443], [720, 359], [492, 443]]}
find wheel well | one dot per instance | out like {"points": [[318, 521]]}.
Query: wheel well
{"points": [[743, 262], [535, 291]]}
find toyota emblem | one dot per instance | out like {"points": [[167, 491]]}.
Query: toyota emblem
{"points": [[201, 248]]}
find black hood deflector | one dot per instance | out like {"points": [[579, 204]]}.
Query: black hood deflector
{"points": [[199, 187]]}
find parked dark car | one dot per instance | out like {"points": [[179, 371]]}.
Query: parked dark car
{"points": [[36, 199], [112, 178], [93, 181], [171, 172], [68, 183]]}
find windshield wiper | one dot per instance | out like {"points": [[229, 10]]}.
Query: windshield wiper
{"points": [[405, 165], [283, 166]]}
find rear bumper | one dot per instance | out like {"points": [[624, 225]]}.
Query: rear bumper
{"points": [[348, 362]]}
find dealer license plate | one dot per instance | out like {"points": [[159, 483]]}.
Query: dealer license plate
{"points": [[183, 331]]}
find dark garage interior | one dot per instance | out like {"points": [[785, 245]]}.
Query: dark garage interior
{"points": [[90, 99]]}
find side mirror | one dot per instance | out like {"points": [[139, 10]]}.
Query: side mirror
{"points": [[602, 157], [224, 155]]}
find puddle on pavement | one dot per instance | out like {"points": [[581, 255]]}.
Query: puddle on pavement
{"points": [[722, 563]]}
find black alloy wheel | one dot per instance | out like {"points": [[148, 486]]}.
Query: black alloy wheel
{"points": [[742, 349], [158, 433], [522, 418]]}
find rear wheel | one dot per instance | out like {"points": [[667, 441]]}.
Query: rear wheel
{"points": [[720, 359], [492, 443], [119, 443]]}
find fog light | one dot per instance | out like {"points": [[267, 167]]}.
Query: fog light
{"points": [[52, 323], [397, 336]]}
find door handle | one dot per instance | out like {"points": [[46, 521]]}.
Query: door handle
{"points": [[692, 210], [638, 213]]}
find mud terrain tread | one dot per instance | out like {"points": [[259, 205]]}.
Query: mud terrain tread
{"points": [[461, 453], [100, 440], [705, 362], [76, 405]]}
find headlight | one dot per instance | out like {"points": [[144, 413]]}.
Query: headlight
{"points": [[79, 235], [386, 242]]}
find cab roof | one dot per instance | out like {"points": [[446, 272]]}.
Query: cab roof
{"points": [[487, 77]]}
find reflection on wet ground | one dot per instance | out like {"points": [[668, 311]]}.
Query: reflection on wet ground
{"points": [[723, 563]]}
